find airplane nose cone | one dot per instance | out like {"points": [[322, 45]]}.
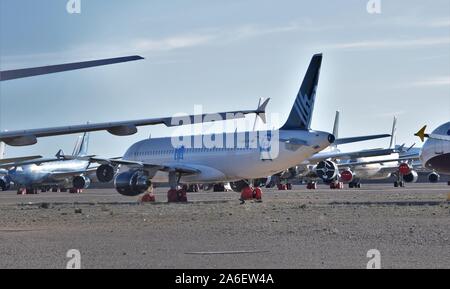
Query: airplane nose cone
{"points": [[331, 138]]}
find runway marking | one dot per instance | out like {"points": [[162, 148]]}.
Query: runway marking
{"points": [[227, 252]]}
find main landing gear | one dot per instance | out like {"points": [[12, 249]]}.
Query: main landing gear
{"points": [[356, 185], [285, 187], [399, 181], [335, 185], [176, 194], [27, 191], [311, 186], [250, 193], [400, 184]]}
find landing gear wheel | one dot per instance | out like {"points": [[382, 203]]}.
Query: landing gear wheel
{"points": [[311, 186], [176, 196]]}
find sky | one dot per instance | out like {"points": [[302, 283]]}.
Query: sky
{"points": [[224, 55]]}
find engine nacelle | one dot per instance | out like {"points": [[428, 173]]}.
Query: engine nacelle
{"points": [[347, 176], [433, 177], [131, 183], [5, 183], [412, 177], [81, 182], [327, 171], [404, 169], [105, 173]]}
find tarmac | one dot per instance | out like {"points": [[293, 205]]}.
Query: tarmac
{"points": [[410, 227]]}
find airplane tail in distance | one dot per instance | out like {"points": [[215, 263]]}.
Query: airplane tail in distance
{"points": [[302, 110], [2, 150], [336, 128], [393, 134], [81, 146]]}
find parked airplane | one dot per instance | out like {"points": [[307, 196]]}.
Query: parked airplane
{"points": [[323, 165], [246, 155], [435, 153], [375, 164], [29, 176]]}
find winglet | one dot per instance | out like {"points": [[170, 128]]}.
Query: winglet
{"points": [[421, 133], [60, 154], [261, 110]]}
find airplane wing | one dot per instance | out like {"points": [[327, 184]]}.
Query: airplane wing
{"points": [[353, 164], [120, 128], [351, 155], [30, 161], [27, 72], [181, 168], [18, 159]]}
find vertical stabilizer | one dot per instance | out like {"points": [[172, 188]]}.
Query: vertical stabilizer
{"points": [[81, 146], [393, 133], [302, 110]]}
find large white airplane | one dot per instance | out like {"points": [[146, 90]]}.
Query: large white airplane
{"points": [[435, 153], [225, 157]]}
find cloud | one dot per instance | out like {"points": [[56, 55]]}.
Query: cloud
{"points": [[391, 43], [171, 43], [440, 23], [436, 81]]}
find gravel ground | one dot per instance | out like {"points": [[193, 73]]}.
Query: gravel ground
{"points": [[296, 229]]}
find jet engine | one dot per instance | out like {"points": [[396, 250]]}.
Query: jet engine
{"points": [[347, 176], [433, 177], [105, 173], [131, 183], [4, 183], [411, 177], [327, 171], [81, 182]]}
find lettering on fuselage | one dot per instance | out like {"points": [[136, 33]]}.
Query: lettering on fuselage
{"points": [[179, 153]]}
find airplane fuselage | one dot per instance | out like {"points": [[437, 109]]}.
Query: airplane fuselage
{"points": [[376, 171], [44, 174], [245, 157]]}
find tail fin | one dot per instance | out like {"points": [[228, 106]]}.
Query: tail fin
{"points": [[302, 110], [2, 150], [393, 134], [81, 146], [336, 128]]}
